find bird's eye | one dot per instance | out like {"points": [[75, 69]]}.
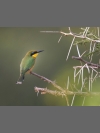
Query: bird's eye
{"points": [[31, 54]]}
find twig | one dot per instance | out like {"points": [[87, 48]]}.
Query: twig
{"points": [[86, 31], [59, 38], [73, 34], [98, 31], [67, 100], [79, 77], [92, 51], [91, 78], [59, 93], [73, 100], [75, 67], [78, 50], [88, 63], [69, 29], [68, 83], [48, 80], [45, 91], [83, 101], [52, 92], [74, 74], [70, 48]]}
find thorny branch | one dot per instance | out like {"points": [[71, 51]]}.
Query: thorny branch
{"points": [[48, 80], [57, 93], [85, 67], [88, 63], [83, 36], [86, 37], [61, 91], [45, 90]]}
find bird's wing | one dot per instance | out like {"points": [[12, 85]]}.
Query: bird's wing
{"points": [[26, 64]]}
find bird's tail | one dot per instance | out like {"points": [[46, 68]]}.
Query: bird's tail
{"points": [[21, 79]]}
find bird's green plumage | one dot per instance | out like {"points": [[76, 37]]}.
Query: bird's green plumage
{"points": [[27, 64]]}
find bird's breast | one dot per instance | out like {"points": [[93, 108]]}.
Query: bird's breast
{"points": [[30, 70], [27, 64]]}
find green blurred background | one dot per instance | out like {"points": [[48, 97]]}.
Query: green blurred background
{"points": [[14, 43]]}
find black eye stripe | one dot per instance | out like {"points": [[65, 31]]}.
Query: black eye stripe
{"points": [[33, 53]]}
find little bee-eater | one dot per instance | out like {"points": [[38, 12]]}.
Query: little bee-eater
{"points": [[27, 64]]}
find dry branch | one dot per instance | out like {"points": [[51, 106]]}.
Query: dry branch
{"points": [[88, 63], [58, 93], [48, 80], [75, 67], [74, 35], [52, 92]]}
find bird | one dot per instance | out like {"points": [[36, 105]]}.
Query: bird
{"points": [[27, 64]]}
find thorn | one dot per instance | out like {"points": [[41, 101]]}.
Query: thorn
{"points": [[37, 93], [59, 38], [18, 82], [83, 53], [70, 48]]}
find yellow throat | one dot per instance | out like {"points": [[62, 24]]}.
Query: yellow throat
{"points": [[35, 55]]}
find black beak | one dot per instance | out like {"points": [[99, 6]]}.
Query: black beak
{"points": [[36, 52], [40, 51]]}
